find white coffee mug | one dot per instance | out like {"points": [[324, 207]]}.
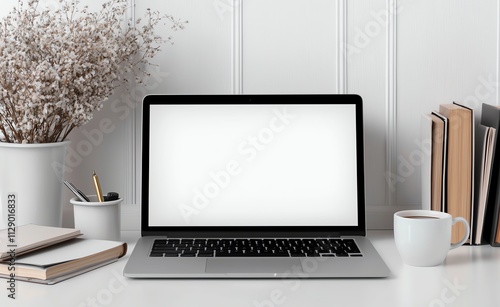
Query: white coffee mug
{"points": [[423, 237]]}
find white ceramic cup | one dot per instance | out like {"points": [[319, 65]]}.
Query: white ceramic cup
{"points": [[98, 220], [423, 237]]}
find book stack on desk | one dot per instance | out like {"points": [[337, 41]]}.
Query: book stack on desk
{"points": [[48, 255], [448, 179], [460, 147]]}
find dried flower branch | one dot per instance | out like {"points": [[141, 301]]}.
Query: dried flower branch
{"points": [[57, 67]]}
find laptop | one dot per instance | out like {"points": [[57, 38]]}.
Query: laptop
{"points": [[253, 186]]}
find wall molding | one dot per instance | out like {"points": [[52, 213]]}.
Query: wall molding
{"points": [[341, 8], [237, 47], [133, 140], [391, 99]]}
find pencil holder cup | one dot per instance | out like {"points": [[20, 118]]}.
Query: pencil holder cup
{"points": [[98, 220]]}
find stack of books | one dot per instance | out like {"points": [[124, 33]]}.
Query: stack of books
{"points": [[48, 255], [462, 173]]}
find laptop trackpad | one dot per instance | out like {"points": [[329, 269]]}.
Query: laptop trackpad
{"points": [[253, 265]]}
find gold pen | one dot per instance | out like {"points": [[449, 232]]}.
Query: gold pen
{"points": [[97, 186]]}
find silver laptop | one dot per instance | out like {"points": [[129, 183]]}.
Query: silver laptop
{"points": [[253, 186]]}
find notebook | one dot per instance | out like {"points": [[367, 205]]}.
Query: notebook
{"points": [[253, 186]]}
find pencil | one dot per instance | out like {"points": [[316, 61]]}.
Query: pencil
{"points": [[97, 186]]}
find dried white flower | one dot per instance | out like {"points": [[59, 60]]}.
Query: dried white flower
{"points": [[57, 66]]}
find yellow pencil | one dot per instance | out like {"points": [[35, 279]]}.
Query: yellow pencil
{"points": [[97, 186]]}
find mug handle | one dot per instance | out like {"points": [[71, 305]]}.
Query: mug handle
{"points": [[467, 231]]}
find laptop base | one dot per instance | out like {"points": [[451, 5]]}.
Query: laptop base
{"points": [[141, 265]]}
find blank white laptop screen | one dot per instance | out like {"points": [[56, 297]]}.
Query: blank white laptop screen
{"points": [[253, 165]]}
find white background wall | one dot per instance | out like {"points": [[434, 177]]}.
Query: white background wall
{"points": [[403, 57]]}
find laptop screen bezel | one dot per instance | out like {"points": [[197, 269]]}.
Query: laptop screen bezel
{"points": [[252, 231]]}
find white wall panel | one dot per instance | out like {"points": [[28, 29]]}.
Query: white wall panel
{"points": [[200, 59], [289, 46], [444, 51], [366, 76]]}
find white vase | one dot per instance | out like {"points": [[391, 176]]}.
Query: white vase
{"points": [[31, 182]]}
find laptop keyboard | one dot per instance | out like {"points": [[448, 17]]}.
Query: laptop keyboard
{"points": [[323, 247]]}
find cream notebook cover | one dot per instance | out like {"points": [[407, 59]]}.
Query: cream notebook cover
{"points": [[30, 237]]}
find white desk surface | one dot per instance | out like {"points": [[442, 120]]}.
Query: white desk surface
{"points": [[469, 277]]}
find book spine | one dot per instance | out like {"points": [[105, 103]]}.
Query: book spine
{"points": [[490, 116]]}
